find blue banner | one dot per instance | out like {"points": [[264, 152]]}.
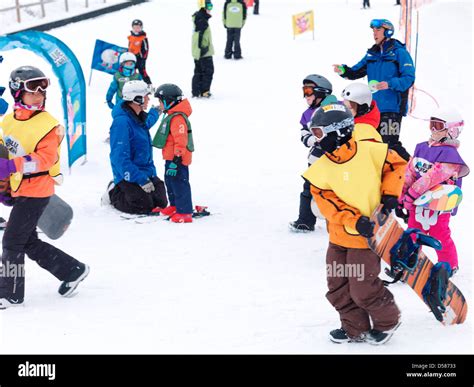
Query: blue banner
{"points": [[106, 56], [71, 78]]}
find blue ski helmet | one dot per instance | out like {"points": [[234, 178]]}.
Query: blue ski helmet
{"points": [[385, 24]]}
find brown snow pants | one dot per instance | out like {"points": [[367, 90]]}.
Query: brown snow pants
{"points": [[357, 292]]}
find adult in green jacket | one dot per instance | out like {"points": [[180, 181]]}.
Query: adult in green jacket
{"points": [[203, 51], [234, 16]]}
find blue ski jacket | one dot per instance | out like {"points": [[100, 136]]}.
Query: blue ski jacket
{"points": [[131, 153], [391, 63]]}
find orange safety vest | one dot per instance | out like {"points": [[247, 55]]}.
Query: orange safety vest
{"points": [[135, 44]]}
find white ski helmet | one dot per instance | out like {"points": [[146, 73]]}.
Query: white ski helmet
{"points": [[135, 91], [127, 56], [358, 93], [451, 118]]}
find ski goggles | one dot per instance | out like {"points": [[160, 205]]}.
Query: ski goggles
{"points": [[308, 91], [209, 6], [318, 132], [439, 126], [381, 23], [36, 84]]}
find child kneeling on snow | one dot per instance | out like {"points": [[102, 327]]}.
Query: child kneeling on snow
{"points": [[33, 138], [436, 161], [136, 189], [175, 137], [347, 183]]}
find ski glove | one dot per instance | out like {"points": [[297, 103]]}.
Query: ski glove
{"points": [[172, 170], [110, 104], [148, 187], [365, 227], [409, 198], [7, 167], [389, 202]]}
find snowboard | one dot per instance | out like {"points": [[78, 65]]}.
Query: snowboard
{"points": [[387, 233], [443, 197], [57, 215]]}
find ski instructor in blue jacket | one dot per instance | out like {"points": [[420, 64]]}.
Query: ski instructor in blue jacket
{"points": [[136, 188], [390, 72]]}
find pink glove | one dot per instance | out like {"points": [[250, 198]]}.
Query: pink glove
{"points": [[409, 198]]}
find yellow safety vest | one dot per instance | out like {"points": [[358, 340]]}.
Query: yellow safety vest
{"points": [[357, 181], [22, 137], [365, 132]]}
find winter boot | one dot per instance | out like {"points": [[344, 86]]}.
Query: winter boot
{"points": [[206, 94], [78, 273], [182, 218], [299, 226], [339, 336], [168, 211], [105, 199], [376, 337], [9, 302]]}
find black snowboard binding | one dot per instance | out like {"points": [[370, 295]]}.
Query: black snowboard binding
{"points": [[404, 254], [434, 292]]}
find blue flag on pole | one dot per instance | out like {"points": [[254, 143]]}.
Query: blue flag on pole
{"points": [[106, 56], [71, 78]]}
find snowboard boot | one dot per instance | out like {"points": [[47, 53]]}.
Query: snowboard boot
{"points": [[105, 199], [206, 94], [376, 337], [9, 302], [182, 218], [78, 274], [299, 226], [339, 336], [168, 211]]}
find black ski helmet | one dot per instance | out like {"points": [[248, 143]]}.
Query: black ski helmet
{"points": [[20, 76], [137, 22], [335, 122], [170, 94]]}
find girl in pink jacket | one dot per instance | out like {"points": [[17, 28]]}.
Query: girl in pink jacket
{"points": [[435, 162]]}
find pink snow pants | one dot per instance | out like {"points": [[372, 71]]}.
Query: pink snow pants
{"points": [[441, 232]]}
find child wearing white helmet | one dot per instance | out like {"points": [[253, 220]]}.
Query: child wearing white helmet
{"points": [[358, 99], [436, 161], [126, 72]]}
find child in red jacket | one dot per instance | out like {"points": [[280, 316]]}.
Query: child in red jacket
{"points": [[174, 137]]}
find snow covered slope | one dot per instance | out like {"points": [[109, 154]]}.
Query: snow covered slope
{"points": [[237, 281]]}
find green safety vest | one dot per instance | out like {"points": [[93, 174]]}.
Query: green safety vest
{"points": [[122, 79], [159, 141]]}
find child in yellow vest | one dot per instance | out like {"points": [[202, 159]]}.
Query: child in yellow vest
{"points": [[33, 138], [347, 183]]}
